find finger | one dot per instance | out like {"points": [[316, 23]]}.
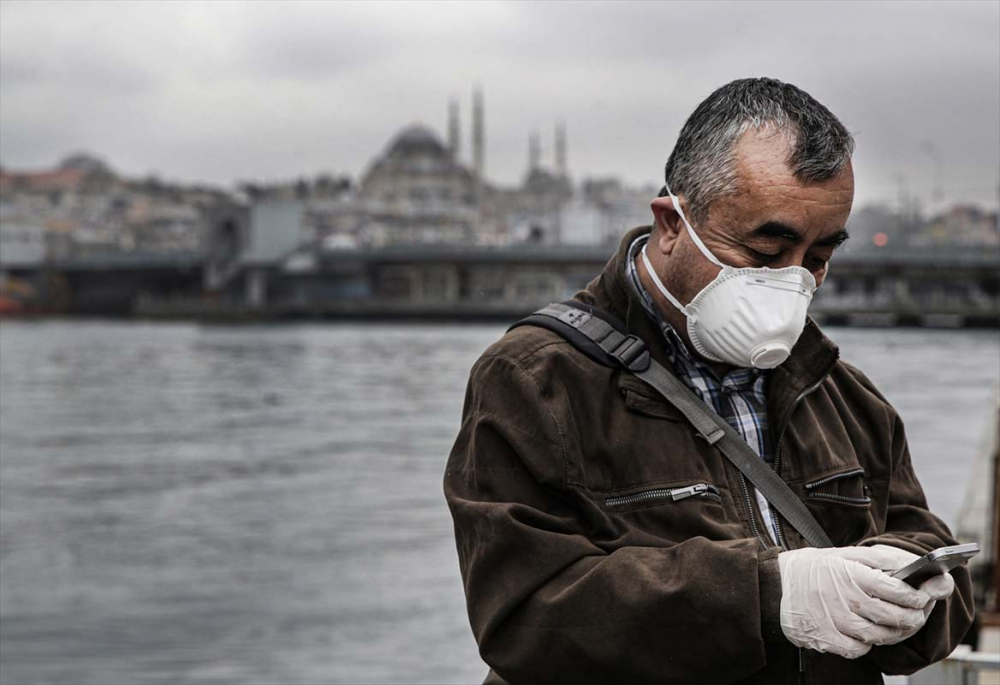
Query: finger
{"points": [[883, 586], [890, 615], [865, 631], [841, 645], [894, 556], [939, 586], [882, 557]]}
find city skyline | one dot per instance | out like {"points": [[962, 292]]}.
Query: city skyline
{"points": [[232, 92]]}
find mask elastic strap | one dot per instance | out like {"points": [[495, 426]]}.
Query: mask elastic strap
{"points": [[659, 283], [694, 236]]}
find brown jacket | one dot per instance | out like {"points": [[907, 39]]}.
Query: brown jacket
{"points": [[565, 586]]}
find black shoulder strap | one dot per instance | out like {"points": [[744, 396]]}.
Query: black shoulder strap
{"points": [[601, 336], [605, 339]]}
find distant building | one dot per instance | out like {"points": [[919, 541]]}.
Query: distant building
{"points": [[965, 225], [548, 208], [78, 173], [56, 180], [85, 209], [534, 211], [621, 207], [21, 244], [417, 192], [877, 227]]}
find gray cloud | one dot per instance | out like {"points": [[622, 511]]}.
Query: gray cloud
{"points": [[220, 91]]}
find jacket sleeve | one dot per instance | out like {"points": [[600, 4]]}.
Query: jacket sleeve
{"points": [[547, 603], [911, 526]]}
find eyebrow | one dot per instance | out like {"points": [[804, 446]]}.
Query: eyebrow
{"points": [[776, 229]]}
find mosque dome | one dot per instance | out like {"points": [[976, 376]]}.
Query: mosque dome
{"points": [[416, 138], [417, 167]]}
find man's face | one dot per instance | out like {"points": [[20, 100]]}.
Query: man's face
{"points": [[773, 220]]}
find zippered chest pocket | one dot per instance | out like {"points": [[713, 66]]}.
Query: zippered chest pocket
{"points": [[846, 487], [666, 512], [651, 496]]}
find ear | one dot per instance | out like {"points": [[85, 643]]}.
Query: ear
{"points": [[667, 225]]}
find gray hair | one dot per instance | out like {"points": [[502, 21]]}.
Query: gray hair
{"points": [[702, 165]]}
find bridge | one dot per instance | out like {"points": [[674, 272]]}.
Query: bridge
{"points": [[955, 287]]}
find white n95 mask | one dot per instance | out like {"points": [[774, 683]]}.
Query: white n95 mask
{"points": [[744, 317]]}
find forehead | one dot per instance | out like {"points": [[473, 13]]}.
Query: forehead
{"points": [[769, 191]]}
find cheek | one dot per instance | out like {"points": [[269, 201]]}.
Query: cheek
{"points": [[688, 271]]}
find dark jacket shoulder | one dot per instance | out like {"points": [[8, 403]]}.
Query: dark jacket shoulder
{"points": [[542, 353]]}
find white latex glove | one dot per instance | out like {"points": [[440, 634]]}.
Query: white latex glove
{"points": [[889, 558], [936, 587], [837, 600]]}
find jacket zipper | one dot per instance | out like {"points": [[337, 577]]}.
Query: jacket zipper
{"points": [[836, 476], [838, 498], [750, 511], [675, 494], [776, 462], [776, 465]]}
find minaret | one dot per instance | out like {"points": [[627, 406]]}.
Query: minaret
{"points": [[478, 133], [561, 150], [534, 151], [454, 137]]}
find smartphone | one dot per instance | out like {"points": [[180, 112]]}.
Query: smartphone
{"points": [[941, 560]]}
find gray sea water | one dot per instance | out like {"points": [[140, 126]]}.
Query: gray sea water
{"points": [[195, 504]]}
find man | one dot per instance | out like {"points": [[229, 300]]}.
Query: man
{"points": [[600, 540]]}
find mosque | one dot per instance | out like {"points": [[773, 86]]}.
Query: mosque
{"points": [[419, 190]]}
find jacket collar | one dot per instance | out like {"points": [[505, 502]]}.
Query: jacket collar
{"points": [[812, 357]]}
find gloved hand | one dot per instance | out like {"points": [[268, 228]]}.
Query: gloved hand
{"points": [[838, 600], [889, 558], [937, 587]]}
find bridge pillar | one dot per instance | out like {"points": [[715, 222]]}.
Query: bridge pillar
{"points": [[256, 291], [901, 294]]}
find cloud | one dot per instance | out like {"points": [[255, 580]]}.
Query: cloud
{"points": [[229, 90]]}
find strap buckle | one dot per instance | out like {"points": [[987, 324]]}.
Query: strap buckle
{"points": [[713, 437], [631, 352]]}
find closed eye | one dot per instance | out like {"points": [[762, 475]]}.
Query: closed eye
{"points": [[763, 257]]}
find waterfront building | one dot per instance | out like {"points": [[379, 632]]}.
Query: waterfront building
{"points": [[86, 209], [416, 191], [420, 191], [22, 243], [965, 225]]}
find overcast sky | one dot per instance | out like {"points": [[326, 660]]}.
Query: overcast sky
{"points": [[215, 91]]}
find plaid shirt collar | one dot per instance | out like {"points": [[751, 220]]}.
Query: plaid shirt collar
{"points": [[693, 370]]}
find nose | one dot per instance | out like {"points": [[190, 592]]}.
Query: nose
{"points": [[798, 256]]}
